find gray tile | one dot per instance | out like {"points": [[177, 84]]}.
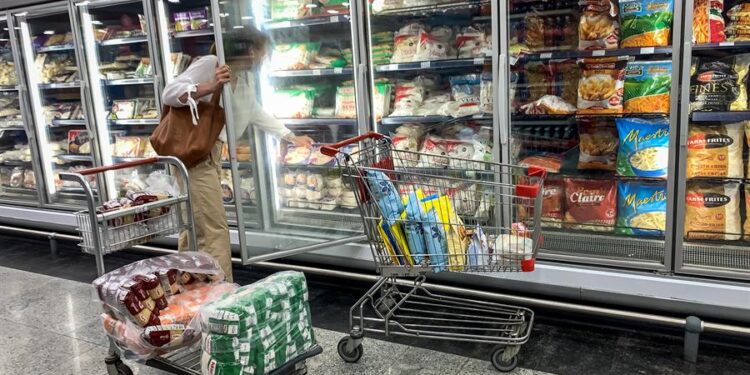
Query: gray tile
{"points": [[16, 282], [92, 363], [29, 350], [92, 332]]}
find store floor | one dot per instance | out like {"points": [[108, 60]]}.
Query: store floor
{"points": [[49, 325]]}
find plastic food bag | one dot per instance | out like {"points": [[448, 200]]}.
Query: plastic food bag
{"points": [[409, 97], [641, 208], [346, 105], [466, 92], [647, 87], [598, 27], [145, 311], [382, 190], [646, 23], [715, 150], [601, 85], [293, 56], [598, 144], [644, 147], [257, 328], [433, 153], [708, 22], [720, 84], [406, 43], [160, 183], [712, 211], [295, 102], [432, 46], [471, 42], [590, 204]]}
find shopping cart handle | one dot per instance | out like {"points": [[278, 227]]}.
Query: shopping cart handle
{"points": [[113, 167], [333, 149]]}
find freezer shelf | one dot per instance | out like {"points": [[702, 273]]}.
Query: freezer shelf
{"points": [[434, 64], [557, 55], [307, 22]]}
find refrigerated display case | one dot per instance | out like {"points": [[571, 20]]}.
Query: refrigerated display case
{"points": [[187, 32], [17, 173], [55, 97], [712, 192], [309, 84], [124, 80], [592, 101]]}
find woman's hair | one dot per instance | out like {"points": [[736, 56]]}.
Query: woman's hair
{"points": [[239, 42]]}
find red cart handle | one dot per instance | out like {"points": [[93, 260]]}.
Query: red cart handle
{"points": [[333, 149], [113, 167]]}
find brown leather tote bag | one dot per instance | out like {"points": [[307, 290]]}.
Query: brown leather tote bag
{"points": [[177, 136]]}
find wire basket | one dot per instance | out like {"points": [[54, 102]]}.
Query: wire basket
{"points": [[132, 226]]}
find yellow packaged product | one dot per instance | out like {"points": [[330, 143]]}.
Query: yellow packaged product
{"points": [[395, 242], [712, 211], [715, 150]]}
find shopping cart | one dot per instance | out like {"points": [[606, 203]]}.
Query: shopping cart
{"points": [[108, 232], [467, 197]]}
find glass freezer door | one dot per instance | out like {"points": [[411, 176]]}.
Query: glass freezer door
{"points": [[593, 99], [17, 173], [123, 77], [55, 98], [308, 84], [186, 32]]}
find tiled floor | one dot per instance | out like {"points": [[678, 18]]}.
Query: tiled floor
{"points": [[48, 325], [51, 326]]}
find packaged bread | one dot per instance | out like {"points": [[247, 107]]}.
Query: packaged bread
{"points": [[715, 150], [712, 211]]}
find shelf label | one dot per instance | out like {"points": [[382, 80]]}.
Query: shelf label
{"points": [[338, 70], [726, 44], [546, 55], [316, 72], [647, 50], [599, 52], [424, 64], [334, 19], [479, 61]]}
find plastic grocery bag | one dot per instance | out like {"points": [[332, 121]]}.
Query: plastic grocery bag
{"points": [[258, 327], [150, 305]]}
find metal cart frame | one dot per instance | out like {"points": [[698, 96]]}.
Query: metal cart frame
{"points": [[105, 233], [374, 168]]}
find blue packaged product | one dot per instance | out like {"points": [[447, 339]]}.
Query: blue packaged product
{"points": [[644, 147], [414, 228], [479, 250], [641, 208], [385, 194], [437, 245]]}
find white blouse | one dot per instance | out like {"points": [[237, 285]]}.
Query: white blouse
{"points": [[245, 108]]}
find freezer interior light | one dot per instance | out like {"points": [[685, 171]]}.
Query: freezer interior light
{"points": [[247, 17], [333, 11], [223, 15], [239, 27], [83, 3], [49, 32], [97, 22], [312, 5]]}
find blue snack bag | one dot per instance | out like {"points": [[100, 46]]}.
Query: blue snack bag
{"points": [[437, 246], [414, 228], [644, 147], [383, 191], [641, 208]]}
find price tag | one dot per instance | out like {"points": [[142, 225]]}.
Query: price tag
{"points": [[334, 19], [424, 64], [479, 61], [316, 72], [647, 50], [726, 44], [338, 70], [600, 52], [546, 55]]}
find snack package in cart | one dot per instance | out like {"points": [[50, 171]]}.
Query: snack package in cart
{"points": [[257, 328], [150, 305]]}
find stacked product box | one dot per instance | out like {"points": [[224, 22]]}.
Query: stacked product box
{"points": [[257, 328]]}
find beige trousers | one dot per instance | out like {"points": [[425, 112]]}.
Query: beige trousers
{"points": [[211, 226]]}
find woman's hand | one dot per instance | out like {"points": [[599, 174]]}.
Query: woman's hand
{"points": [[303, 141], [223, 75]]}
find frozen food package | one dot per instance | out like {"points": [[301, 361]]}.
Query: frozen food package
{"points": [[548, 105], [406, 43], [598, 144], [720, 84], [29, 179], [746, 224], [641, 208], [712, 211], [708, 21], [16, 177], [644, 147], [293, 56], [293, 102], [297, 155], [646, 23], [381, 188], [128, 146], [647, 87], [601, 85], [466, 93], [715, 150], [181, 21], [553, 204], [409, 97], [288, 9], [590, 204], [199, 19], [486, 93], [432, 47], [549, 161], [406, 149], [382, 99], [150, 305], [471, 42], [433, 153], [122, 109], [598, 27], [346, 105]]}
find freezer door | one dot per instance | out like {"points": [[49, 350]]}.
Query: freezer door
{"points": [[56, 98], [598, 110]]}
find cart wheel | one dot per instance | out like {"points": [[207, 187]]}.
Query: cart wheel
{"points": [[501, 364], [349, 357], [123, 369]]}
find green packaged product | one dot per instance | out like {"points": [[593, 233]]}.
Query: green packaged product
{"points": [[213, 366]]}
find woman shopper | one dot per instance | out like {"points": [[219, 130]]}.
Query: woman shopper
{"points": [[244, 50]]}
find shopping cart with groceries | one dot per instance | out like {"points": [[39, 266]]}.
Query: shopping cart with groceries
{"points": [[427, 213]]}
